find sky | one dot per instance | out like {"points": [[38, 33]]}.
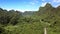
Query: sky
{"points": [[26, 5]]}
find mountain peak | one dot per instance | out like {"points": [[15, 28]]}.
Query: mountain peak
{"points": [[48, 5]]}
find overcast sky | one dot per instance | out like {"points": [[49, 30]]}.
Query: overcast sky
{"points": [[26, 5]]}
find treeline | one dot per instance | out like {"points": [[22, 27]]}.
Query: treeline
{"points": [[9, 17]]}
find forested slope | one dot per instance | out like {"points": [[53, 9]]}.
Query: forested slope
{"points": [[16, 22]]}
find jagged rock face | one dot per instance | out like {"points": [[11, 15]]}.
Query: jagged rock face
{"points": [[48, 5], [49, 12], [47, 8]]}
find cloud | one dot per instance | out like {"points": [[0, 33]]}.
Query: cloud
{"points": [[57, 1], [33, 2], [57, 5], [43, 4], [43, 0]]}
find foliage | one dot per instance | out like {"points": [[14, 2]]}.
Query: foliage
{"points": [[15, 22]]}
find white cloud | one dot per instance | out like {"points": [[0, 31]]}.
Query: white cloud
{"points": [[57, 5], [43, 0], [57, 1], [43, 4], [33, 2]]}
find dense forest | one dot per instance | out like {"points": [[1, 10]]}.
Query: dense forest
{"points": [[30, 22]]}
